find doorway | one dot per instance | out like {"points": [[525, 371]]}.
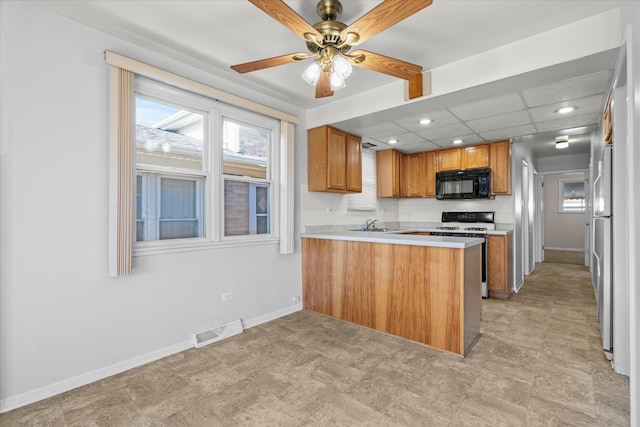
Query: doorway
{"points": [[565, 231]]}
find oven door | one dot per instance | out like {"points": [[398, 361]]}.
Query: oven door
{"points": [[485, 289]]}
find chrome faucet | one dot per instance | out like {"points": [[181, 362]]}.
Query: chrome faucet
{"points": [[369, 224]]}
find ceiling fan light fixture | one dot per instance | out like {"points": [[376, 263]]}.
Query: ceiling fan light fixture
{"points": [[312, 73], [336, 81], [341, 67]]}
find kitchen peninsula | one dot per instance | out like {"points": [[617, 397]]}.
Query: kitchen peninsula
{"points": [[424, 288]]}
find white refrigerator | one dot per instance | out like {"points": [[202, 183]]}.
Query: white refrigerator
{"points": [[602, 247]]}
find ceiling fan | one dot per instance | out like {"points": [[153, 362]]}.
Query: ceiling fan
{"points": [[329, 42]]}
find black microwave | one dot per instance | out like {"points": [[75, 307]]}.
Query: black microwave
{"points": [[464, 184]]}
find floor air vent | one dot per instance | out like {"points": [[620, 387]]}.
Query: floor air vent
{"points": [[218, 333]]}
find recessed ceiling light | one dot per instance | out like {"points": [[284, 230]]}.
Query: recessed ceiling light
{"points": [[393, 141], [457, 141], [565, 110], [425, 121]]}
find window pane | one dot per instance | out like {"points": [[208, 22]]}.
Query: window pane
{"points": [[262, 200], [572, 196], [168, 136], [246, 208], [179, 216], [245, 149]]}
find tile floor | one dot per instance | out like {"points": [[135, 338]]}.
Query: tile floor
{"points": [[566, 257], [538, 363]]}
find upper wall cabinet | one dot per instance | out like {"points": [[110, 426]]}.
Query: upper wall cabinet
{"points": [[414, 175], [431, 167], [500, 163], [470, 157], [334, 160], [389, 173], [449, 159], [474, 156]]}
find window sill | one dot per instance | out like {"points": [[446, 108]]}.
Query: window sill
{"points": [[571, 212], [169, 247]]}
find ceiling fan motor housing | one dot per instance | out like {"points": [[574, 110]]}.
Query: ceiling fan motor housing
{"points": [[329, 10]]}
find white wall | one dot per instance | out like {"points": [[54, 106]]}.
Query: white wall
{"points": [[63, 320], [564, 231], [329, 209], [430, 209], [521, 152], [563, 163]]}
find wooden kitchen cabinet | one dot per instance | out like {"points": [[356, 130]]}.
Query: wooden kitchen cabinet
{"points": [[389, 167], [426, 294], [334, 160], [470, 157], [449, 159], [500, 163], [431, 167], [414, 175], [499, 265], [474, 156]]}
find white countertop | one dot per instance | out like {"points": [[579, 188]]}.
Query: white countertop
{"points": [[396, 237]]}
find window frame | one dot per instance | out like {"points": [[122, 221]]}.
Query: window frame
{"points": [[561, 184], [271, 180], [213, 112]]}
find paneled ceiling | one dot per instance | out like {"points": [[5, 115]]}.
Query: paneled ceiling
{"points": [[213, 35], [529, 115]]}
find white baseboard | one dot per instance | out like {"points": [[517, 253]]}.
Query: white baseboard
{"points": [[552, 248], [32, 396], [271, 316]]}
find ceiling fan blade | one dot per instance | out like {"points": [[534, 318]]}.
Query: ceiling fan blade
{"points": [[381, 17], [386, 65], [268, 62], [282, 13], [323, 87]]}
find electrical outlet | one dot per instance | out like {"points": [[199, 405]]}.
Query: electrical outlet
{"points": [[227, 296], [295, 299]]}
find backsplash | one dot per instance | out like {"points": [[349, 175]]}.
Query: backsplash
{"points": [[327, 211], [430, 210]]}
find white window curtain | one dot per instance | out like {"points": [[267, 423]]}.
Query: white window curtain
{"points": [[367, 200], [122, 154]]}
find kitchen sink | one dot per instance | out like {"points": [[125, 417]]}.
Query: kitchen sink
{"points": [[379, 230]]}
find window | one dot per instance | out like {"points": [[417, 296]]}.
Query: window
{"points": [[180, 140], [167, 189], [367, 200], [571, 195], [170, 171], [246, 152]]}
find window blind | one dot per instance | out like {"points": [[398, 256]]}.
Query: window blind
{"points": [[367, 200], [121, 171]]}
